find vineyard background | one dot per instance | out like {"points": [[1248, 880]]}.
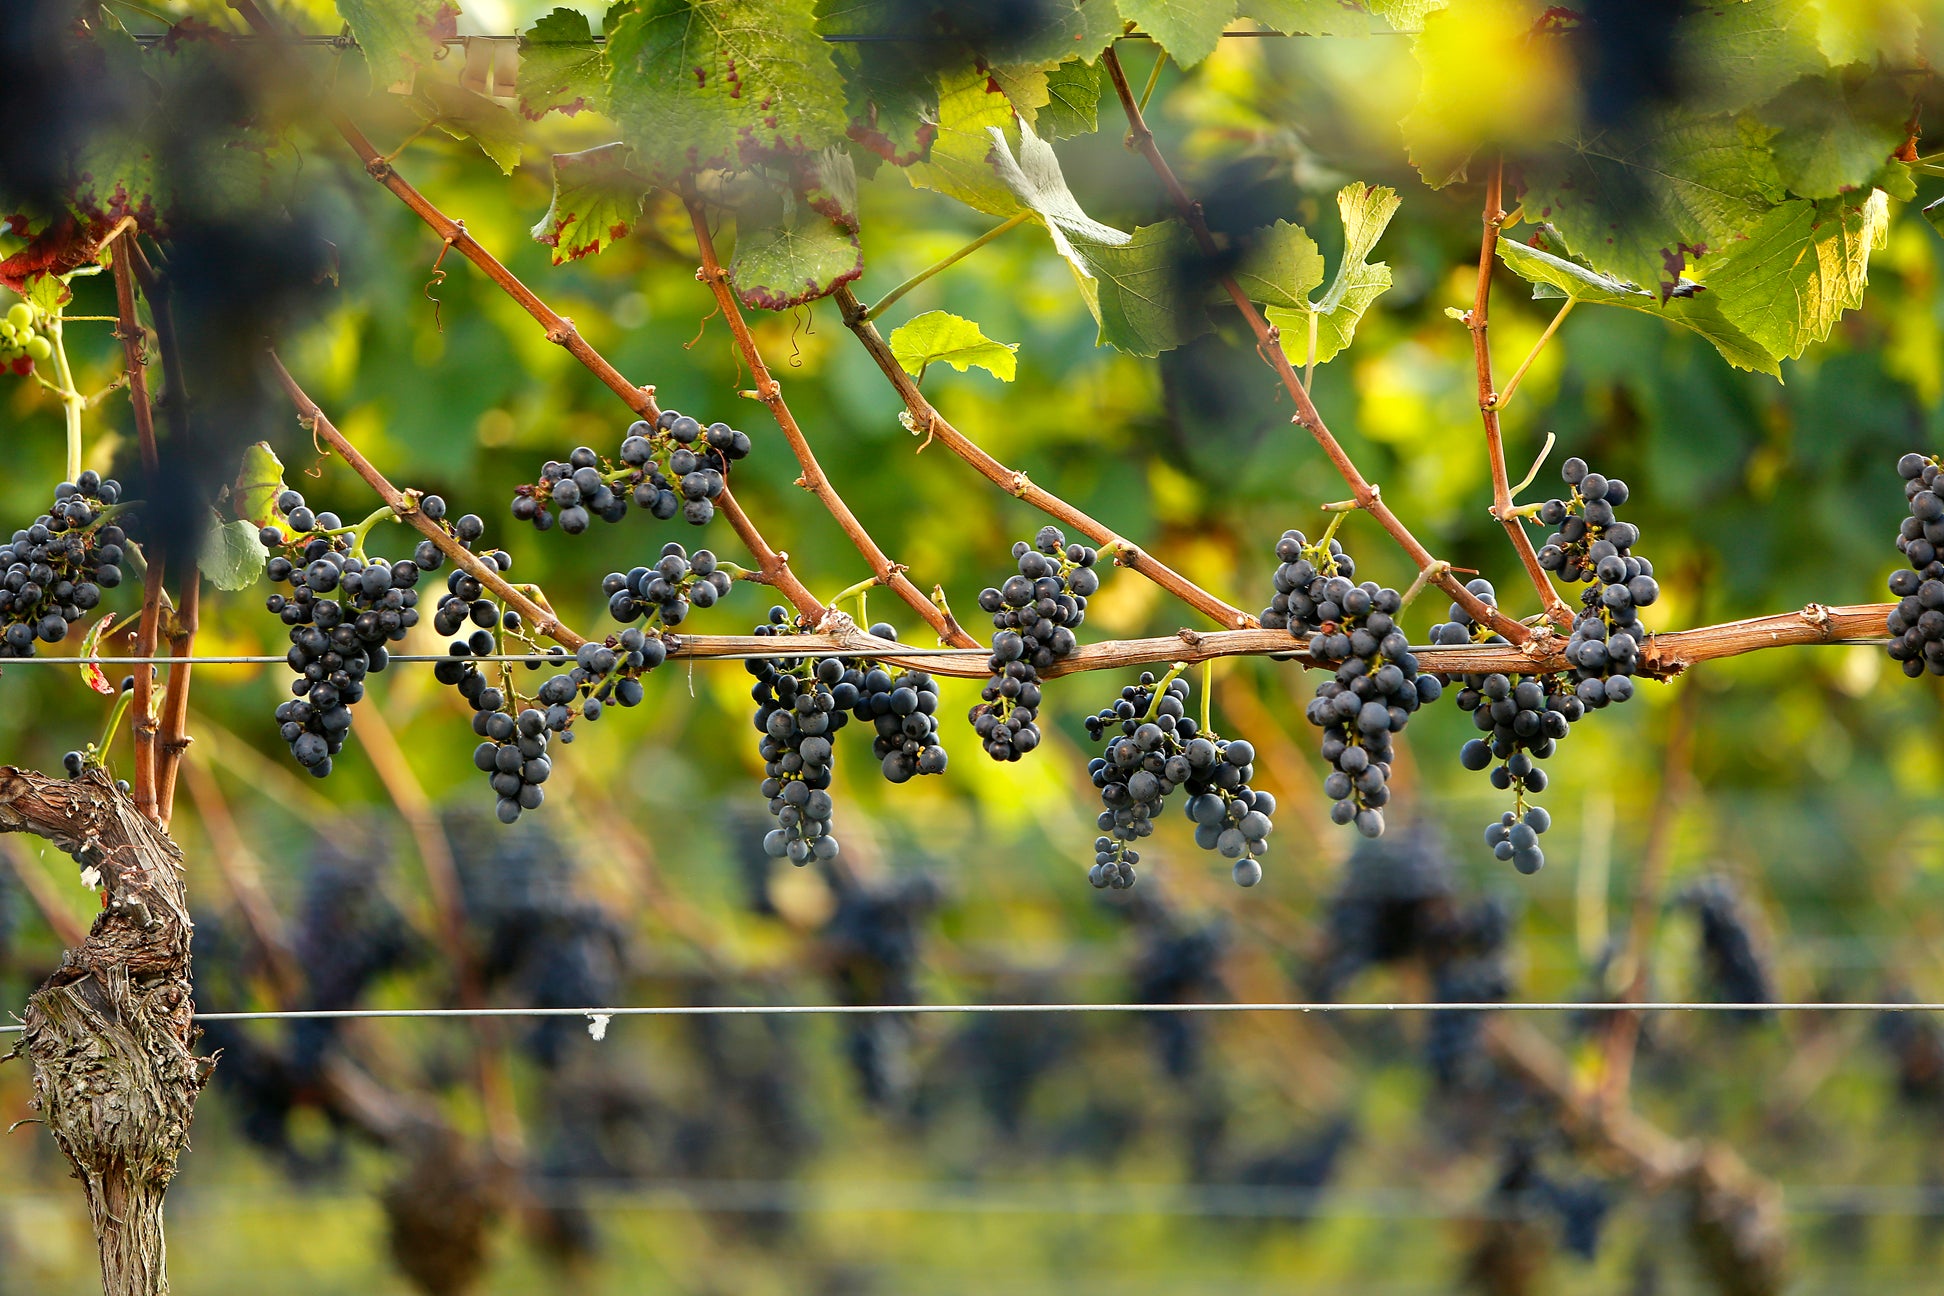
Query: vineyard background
{"points": [[1081, 1154]]}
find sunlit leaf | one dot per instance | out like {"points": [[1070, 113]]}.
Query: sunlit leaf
{"points": [[562, 69], [722, 83], [796, 235], [398, 37], [466, 114], [1309, 17], [938, 336], [1188, 29], [1486, 82], [1366, 211], [1738, 55], [1833, 135], [969, 106], [1072, 101], [596, 199], [1281, 267], [259, 480], [1799, 270]]}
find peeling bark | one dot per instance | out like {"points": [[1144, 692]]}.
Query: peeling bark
{"points": [[109, 1033]]}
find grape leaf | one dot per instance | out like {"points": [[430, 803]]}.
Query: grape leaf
{"points": [[466, 114], [1281, 267], [1557, 277], [1366, 211], [232, 557], [1072, 101], [1064, 29], [1309, 17], [562, 69], [721, 83], [1834, 134], [398, 37], [1024, 85], [1129, 282], [1800, 268], [597, 199], [259, 480], [940, 335], [969, 105], [1636, 206], [91, 672], [1405, 15], [1188, 29], [892, 99], [796, 235], [1737, 55]]}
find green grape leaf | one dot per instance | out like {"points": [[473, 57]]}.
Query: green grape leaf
{"points": [[562, 69], [1024, 85], [597, 198], [259, 480], [1405, 15], [398, 37], [1128, 281], [466, 114], [1064, 29], [1799, 270], [1308, 17], [940, 335], [1528, 98], [721, 83], [1685, 187], [232, 557], [1834, 134], [1072, 101], [1188, 29], [46, 292], [1281, 267], [1366, 211], [1740, 54], [796, 235], [891, 98], [1557, 277], [969, 105]]}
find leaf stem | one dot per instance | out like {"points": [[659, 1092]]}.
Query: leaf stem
{"points": [[1503, 398], [72, 401], [885, 302], [1154, 78], [100, 755]]}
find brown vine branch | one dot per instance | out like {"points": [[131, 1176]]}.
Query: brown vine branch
{"points": [[773, 566], [143, 728], [770, 392], [1488, 407], [928, 420], [1269, 345]]}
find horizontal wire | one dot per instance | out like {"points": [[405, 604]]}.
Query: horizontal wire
{"points": [[420, 659], [861, 38], [873, 1010]]}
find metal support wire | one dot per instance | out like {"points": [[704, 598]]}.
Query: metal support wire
{"points": [[872, 1010]]}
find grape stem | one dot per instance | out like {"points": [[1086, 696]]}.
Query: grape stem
{"points": [[1269, 346], [1425, 577], [1161, 690], [1503, 398], [362, 531], [1208, 694], [885, 302], [99, 756], [72, 401], [1478, 320]]}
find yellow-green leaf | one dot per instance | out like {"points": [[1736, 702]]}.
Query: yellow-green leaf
{"points": [[941, 336], [91, 670], [1366, 211], [259, 481], [466, 114]]}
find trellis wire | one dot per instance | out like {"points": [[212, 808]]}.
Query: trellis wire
{"points": [[874, 1010], [544, 658]]}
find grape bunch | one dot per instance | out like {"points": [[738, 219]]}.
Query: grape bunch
{"points": [[52, 573], [342, 609], [903, 708], [673, 465], [665, 592], [1916, 624], [20, 343], [799, 709], [1157, 747], [1034, 615], [1375, 689], [1522, 719], [1302, 571], [1592, 545]]}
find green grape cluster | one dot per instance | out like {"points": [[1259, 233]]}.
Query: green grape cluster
{"points": [[21, 344]]}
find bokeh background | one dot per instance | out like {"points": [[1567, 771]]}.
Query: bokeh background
{"points": [[1081, 1154]]}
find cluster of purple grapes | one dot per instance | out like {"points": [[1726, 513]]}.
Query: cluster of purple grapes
{"points": [[673, 465], [52, 573]]}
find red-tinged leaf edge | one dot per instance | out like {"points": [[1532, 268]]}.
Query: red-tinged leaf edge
{"points": [[63, 246], [91, 671]]}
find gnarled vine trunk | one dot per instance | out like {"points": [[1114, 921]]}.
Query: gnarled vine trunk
{"points": [[108, 1034]]}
